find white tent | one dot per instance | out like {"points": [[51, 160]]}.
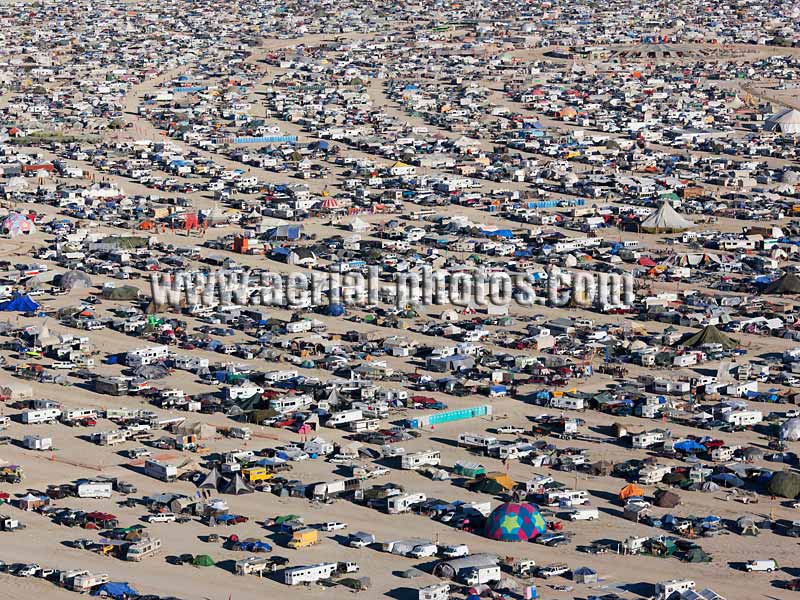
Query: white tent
{"points": [[666, 219], [358, 225], [790, 430], [784, 121]]}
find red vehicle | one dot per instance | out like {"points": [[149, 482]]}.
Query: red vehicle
{"points": [[89, 422], [714, 444]]}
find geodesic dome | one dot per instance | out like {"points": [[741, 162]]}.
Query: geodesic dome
{"points": [[512, 522], [16, 224], [790, 430]]}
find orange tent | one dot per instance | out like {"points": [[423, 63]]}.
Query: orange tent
{"points": [[630, 491]]}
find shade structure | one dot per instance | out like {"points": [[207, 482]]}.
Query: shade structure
{"points": [[709, 335], [329, 203], [629, 491], [786, 120], [512, 522], [788, 283], [665, 220]]}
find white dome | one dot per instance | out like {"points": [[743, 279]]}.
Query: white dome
{"points": [[790, 430]]}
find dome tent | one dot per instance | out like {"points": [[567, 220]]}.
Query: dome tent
{"points": [[16, 224], [512, 522], [784, 484], [630, 491], [335, 310], [203, 560], [790, 430], [74, 280]]}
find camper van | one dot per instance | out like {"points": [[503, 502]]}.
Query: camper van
{"points": [[416, 460]]}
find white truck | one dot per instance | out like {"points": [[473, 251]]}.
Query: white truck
{"points": [[584, 514], [769, 565], [552, 570], [482, 575], [454, 550]]}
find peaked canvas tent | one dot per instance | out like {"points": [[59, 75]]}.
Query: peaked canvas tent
{"points": [[709, 335], [665, 220], [788, 283]]}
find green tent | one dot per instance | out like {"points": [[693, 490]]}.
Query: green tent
{"points": [[784, 484], [697, 555], [203, 560], [123, 292], [709, 335], [285, 518]]}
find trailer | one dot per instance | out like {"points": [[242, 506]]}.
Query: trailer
{"points": [[84, 581], [37, 442], [42, 415], [94, 489], [159, 470], [309, 573], [416, 460], [404, 502]]}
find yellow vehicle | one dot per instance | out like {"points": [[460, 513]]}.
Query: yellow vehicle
{"points": [[304, 538], [255, 474]]}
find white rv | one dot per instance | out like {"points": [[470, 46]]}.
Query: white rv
{"points": [[344, 417]]}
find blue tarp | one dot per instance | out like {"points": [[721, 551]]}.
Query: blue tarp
{"points": [[19, 303], [115, 590], [689, 446]]}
